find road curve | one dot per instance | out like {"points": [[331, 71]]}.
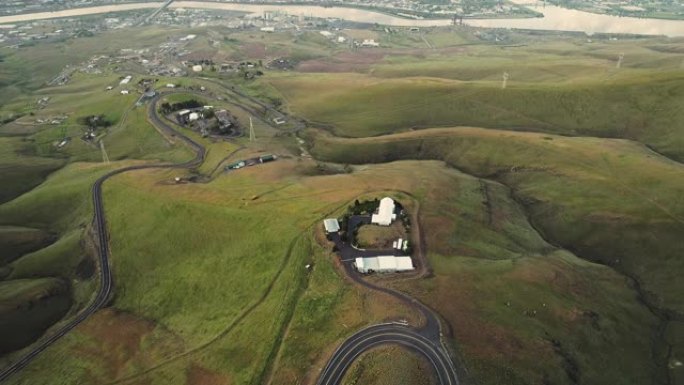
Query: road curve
{"points": [[383, 334], [100, 227], [426, 341], [430, 335]]}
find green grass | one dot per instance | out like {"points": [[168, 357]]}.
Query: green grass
{"points": [[553, 318], [609, 201], [220, 251], [380, 237], [28, 307], [17, 241], [21, 173], [47, 193], [569, 185], [390, 365], [210, 284], [199, 263], [642, 108]]}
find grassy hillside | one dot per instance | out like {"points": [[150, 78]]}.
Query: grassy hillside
{"points": [[28, 307], [555, 259], [200, 294], [390, 365], [46, 198], [28, 69], [199, 288], [19, 171], [575, 180], [17, 241], [643, 108], [609, 201]]}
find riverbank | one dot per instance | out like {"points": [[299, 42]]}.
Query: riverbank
{"points": [[555, 18]]}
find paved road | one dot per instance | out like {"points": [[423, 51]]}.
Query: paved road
{"points": [[427, 340], [100, 226], [383, 334]]}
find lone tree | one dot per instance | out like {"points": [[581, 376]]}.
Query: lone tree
{"points": [[94, 121]]}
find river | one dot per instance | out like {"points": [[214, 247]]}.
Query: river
{"points": [[555, 18]]}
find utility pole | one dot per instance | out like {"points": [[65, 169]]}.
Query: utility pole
{"points": [[105, 158], [252, 137], [620, 59], [505, 80]]}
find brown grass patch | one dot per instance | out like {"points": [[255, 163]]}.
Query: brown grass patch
{"points": [[197, 375], [344, 62], [119, 335], [360, 34], [552, 273], [117, 338], [254, 50], [205, 54], [479, 341], [436, 230], [380, 237], [391, 364], [323, 65]]}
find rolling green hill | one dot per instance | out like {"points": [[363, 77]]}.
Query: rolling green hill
{"points": [[552, 229], [609, 201], [643, 107]]}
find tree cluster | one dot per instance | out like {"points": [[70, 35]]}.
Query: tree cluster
{"points": [[94, 121], [167, 108]]}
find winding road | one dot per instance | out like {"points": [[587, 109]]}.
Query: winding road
{"points": [[426, 340], [100, 226], [382, 334]]}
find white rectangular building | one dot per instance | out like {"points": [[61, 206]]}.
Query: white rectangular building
{"points": [[383, 264], [385, 214], [331, 225]]}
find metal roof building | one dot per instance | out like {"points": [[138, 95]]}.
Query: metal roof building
{"points": [[385, 214], [331, 225], [383, 264]]}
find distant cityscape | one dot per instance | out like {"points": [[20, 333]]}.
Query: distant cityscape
{"points": [[405, 8], [664, 9]]}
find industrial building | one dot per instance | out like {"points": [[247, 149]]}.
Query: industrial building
{"points": [[331, 225], [385, 214], [383, 264]]}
